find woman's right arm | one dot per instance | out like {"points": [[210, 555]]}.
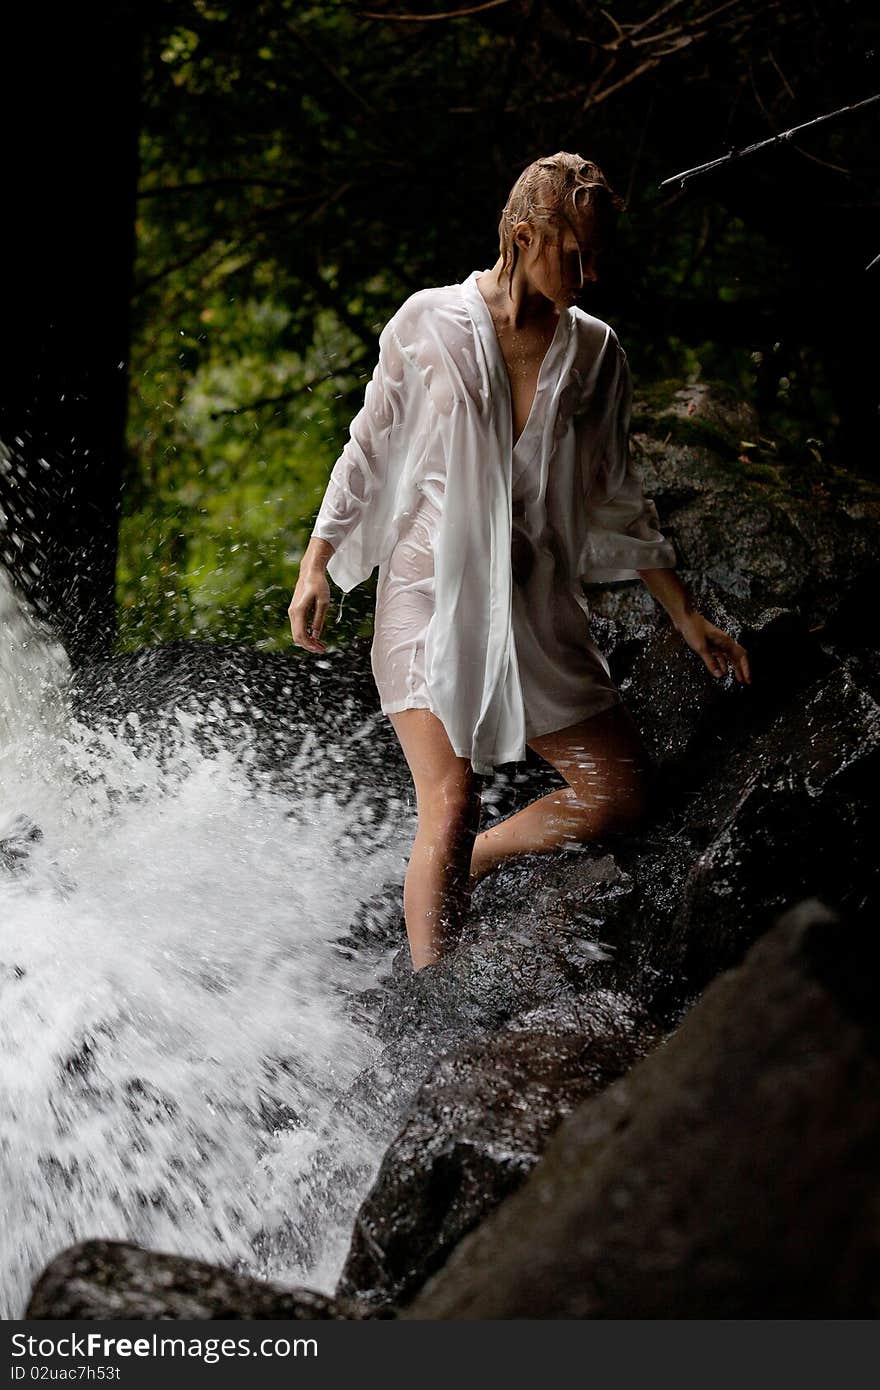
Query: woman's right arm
{"points": [[311, 597], [347, 512]]}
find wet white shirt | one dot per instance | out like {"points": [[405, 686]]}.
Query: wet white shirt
{"points": [[437, 423]]}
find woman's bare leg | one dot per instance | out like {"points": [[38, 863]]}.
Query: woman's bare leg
{"points": [[608, 772], [436, 892]]}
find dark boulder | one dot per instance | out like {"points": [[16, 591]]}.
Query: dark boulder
{"points": [[476, 1128], [535, 937], [688, 717], [733, 1173], [109, 1279], [779, 528], [793, 814], [770, 530]]}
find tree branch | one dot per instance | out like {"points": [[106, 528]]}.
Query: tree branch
{"points": [[318, 57], [747, 150], [283, 397], [428, 18], [659, 14], [595, 99], [196, 184], [200, 249]]}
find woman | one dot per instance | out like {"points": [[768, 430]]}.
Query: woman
{"points": [[487, 476]]}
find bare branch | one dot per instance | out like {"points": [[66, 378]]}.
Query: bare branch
{"points": [[638, 154], [785, 82], [784, 135], [685, 30], [659, 14], [824, 163], [428, 18], [622, 82], [331, 198], [611, 20], [318, 57]]}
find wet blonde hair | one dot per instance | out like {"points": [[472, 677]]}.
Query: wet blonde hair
{"points": [[548, 193]]}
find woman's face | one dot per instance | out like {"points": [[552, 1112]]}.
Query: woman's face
{"points": [[560, 262]]}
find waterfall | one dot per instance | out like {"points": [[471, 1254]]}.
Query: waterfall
{"points": [[177, 1024]]}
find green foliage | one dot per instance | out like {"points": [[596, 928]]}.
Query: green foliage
{"points": [[221, 498], [305, 167]]}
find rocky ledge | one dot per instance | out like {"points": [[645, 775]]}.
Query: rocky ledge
{"points": [[645, 1084]]}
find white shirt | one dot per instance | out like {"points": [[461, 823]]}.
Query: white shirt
{"points": [[439, 405]]}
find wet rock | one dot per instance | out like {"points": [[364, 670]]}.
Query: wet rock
{"points": [[758, 531], [791, 815], [378, 923], [154, 680], [722, 416], [515, 785], [760, 537], [104, 1279], [545, 934], [474, 1131], [690, 720], [379, 1099], [622, 617], [535, 936], [732, 1173]]}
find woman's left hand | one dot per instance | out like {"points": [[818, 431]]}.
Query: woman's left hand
{"points": [[720, 652]]}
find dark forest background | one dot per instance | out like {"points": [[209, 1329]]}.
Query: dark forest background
{"points": [[212, 208]]}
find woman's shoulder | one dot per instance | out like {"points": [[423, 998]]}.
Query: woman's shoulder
{"points": [[433, 330], [595, 336], [600, 367], [428, 311]]}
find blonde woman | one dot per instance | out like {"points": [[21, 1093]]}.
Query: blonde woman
{"points": [[487, 476]]}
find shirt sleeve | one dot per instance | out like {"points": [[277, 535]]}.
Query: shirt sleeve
{"points": [[359, 474], [623, 530]]}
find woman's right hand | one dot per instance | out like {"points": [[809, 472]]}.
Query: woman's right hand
{"points": [[311, 597]]}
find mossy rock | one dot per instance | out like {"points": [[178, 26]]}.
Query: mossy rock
{"points": [[709, 414]]}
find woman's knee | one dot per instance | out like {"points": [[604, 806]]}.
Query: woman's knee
{"points": [[611, 804], [449, 808]]}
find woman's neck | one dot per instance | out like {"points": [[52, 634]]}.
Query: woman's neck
{"points": [[517, 303]]}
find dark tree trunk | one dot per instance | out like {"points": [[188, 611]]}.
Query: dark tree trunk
{"points": [[69, 94]]}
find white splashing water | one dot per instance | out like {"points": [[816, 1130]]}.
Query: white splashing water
{"points": [[174, 1020]]}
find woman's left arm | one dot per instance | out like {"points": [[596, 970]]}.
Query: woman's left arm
{"points": [[719, 651]]}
